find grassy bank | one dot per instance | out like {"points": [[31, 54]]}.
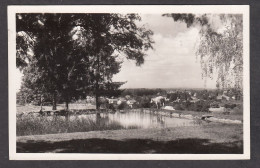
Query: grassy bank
{"points": [[220, 115], [30, 125], [211, 138]]}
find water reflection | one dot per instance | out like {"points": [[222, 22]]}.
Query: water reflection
{"points": [[137, 119]]}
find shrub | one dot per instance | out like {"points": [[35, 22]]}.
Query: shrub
{"points": [[123, 105], [178, 107], [144, 102], [231, 106], [111, 107], [238, 109], [200, 106]]}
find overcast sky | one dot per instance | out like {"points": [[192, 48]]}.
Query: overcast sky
{"points": [[172, 63]]}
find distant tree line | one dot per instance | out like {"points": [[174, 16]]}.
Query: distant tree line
{"points": [[143, 92]]}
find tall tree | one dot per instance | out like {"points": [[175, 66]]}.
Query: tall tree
{"points": [[55, 58], [80, 52], [112, 38], [220, 47]]}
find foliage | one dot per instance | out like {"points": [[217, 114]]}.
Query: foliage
{"points": [[123, 105], [111, 89], [143, 92], [200, 106], [172, 96], [144, 102], [111, 107], [76, 53], [221, 46], [178, 107]]}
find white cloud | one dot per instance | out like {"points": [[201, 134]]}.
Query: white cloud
{"points": [[172, 64]]}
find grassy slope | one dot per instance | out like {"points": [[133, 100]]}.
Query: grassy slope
{"points": [[211, 138], [214, 131]]}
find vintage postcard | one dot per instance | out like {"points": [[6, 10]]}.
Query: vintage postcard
{"points": [[129, 82]]}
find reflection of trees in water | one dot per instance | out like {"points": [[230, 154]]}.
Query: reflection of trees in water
{"points": [[161, 120], [142, 115], [102, 120], [158, 120]]}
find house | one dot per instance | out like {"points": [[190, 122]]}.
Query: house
{"points": [[128, 97], [194, 100], [220, 97], [225, 92], [219, 109], [121, 100], [131, 103], [112, 101], [90, 99], [226, 97]]}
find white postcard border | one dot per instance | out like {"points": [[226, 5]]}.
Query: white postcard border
{"points": [[148, 9]]}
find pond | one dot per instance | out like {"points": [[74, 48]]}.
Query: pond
{"points": [[138, 119]]}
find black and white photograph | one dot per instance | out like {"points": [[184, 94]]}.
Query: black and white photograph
{"points": [[129, 82]]}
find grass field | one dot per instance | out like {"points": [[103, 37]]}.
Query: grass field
{"points": [[212, 138]]}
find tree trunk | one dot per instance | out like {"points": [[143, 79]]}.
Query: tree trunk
{"points": [[41, 101], [97, 85], [98, 118], [97, 75], [67, 108], [25, 102], [54, 106], [67, 104], [97, 101]]}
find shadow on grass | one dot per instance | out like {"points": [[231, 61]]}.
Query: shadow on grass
{"points": [[196, 146]]}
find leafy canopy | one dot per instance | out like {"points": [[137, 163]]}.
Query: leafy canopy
{"points": [[220, 47], [73, 53]]}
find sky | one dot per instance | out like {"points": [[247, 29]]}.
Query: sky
{"points": [[171, 64]]}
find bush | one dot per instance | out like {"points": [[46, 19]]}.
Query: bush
{"points": [[186, 105], [111, 107], [231, 106], [200, 106], [178, 107], [144, 102], [238, 109], [123, 105]]}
